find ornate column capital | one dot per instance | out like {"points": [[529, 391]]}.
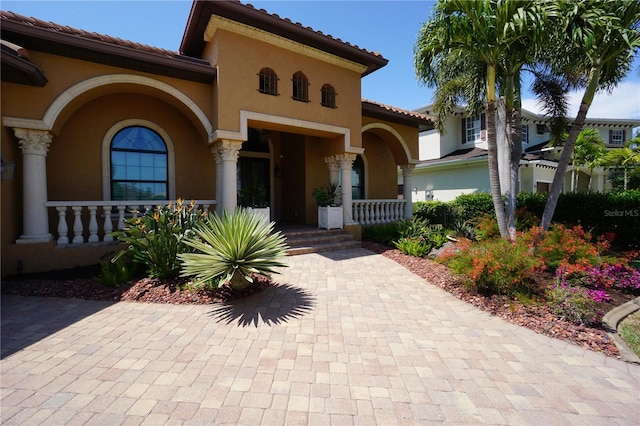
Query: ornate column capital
{"points": [[226, 149], [331, 162], [346, 160], [33, 141], [407, 169]]}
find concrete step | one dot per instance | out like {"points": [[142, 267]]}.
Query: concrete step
{"points": [[311, 240]]}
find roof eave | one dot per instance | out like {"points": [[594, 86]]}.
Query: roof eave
{"points": [[29, 73], [44, 40], [376, 111]]}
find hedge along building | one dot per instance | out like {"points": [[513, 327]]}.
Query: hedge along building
{"points": [[92, 125]]}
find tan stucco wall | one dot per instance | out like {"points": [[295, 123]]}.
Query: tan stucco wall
{"points": [[75, 156], [63, 73], [380, 168], [239, 59], [408, 134]]}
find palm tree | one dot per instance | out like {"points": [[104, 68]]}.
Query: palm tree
{"points": [[591, 46], [626, 157], [589, 151], [485, 32]]}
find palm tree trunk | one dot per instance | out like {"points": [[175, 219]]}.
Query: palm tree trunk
{"points": [[492, 152], [567, 151]]}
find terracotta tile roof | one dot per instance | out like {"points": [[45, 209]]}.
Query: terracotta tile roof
{"points": [[395, 114], [53, 27]]}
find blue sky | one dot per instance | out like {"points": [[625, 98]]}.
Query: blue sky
{"points": [[388, 27]]}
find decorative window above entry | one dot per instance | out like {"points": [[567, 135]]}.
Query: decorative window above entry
{"points": [[268, 82], [300, 87], [328, 96]]}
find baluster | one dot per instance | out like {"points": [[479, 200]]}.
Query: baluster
{"points": [[77, 225], [121, 210], [63, 229], [361, 213], [108, 224], [385, 212], [378, 213], [134, 210], [93, 224], [367, 213]]}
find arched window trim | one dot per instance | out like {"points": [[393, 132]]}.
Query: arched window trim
{"points": [[106, 155], [268, 79], [300, 83], [328, 96]]}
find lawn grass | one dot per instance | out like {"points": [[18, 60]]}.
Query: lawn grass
{"points": [[629, 330]]}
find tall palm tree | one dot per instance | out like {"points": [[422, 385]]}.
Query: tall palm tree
{"points": [[589, 151], [592, 45], [484, 31]]}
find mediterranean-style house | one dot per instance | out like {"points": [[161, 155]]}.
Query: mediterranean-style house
{"points": [[93, 126], [455, 162]]}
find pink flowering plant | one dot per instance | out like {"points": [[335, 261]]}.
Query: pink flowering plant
{"points": [[577, 304]]}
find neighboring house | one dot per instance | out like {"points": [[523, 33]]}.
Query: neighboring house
{"points": [[455, 162], [92, 125]]}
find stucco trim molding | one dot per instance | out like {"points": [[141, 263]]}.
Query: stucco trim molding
{"points": [[394, 132], [24, 123], [58, 105], [245, 116], [218, 22]]}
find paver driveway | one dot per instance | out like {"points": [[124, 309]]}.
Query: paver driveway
{"points": [[347, 338]]}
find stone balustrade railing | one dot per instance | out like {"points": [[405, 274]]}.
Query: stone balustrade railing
{"points": [[95, 219], [373, 212]]}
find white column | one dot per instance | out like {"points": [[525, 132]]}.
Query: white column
{"points": [[346, 163], [34, 145], [334, 167], [218, 158], [226, 151], [407, 184]]}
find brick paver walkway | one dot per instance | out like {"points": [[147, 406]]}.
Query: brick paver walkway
{"points": [[347, 338]]}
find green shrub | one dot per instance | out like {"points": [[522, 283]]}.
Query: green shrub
{"points": [[485, 227], [413, 246], [435, 212], [157, 237], [574, 304], [564, 246], [470, 206], [384, 234], [232, 248], [114, 271], [496, 266]]}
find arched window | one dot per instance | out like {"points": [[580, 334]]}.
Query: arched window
{"points": [[268, 81], [138, 165], [300, 87], [357, 179], [328, 96]]}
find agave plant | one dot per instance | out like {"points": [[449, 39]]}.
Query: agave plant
{"points": [[233, 247]]}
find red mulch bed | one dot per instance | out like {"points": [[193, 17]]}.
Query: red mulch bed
{"points": [[78, 283]]}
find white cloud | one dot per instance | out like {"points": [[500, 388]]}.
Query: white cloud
{"points": [[623, 102]]}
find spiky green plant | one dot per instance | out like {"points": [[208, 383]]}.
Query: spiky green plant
{"points": [[233, 247]]}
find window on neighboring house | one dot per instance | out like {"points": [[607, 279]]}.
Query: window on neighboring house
{"points": [[525, 134], [541, 129], [328, 96], [268, 81], [300, 87], [138, 165], [617, 137], [474, 129]]}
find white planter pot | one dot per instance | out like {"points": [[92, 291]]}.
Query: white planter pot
{"points": [[330, 218], [264, 213]]}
